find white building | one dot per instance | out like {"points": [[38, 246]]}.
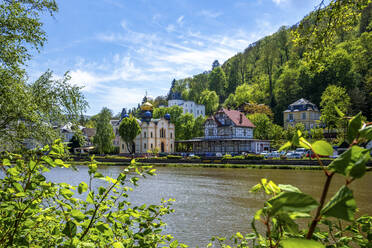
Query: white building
{"points": [[155, 133], [188, 107]]}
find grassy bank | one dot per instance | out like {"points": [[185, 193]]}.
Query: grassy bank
{"points": [[211, 165]]}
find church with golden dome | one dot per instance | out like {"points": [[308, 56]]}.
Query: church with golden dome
{"points": [[156, 134]]}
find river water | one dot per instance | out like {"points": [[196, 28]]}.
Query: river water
{"points": [[216, 201]]}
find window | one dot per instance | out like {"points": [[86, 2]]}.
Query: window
{"points": [[191, 111], [197, 112], [144, 145], [151, 146], [144, 134], [171, 146], [171, 135], [151, 134], [290, 117], [245, 132], [122, 146], [303, 116]]}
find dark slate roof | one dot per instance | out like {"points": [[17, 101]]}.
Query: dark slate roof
{"points": [[235, 116], [302, 105], [89, 132]]}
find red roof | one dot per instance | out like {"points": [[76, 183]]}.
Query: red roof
{"points": [[238, 118]]}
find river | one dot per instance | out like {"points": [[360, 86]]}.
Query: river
{"points": [[216, 201]]}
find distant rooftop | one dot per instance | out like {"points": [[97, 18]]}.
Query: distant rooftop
{"points": [[302, 105]]}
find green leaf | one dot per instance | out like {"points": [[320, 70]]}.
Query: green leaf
{"points": [[339, 112], [102, 227], [48, 160], [118, 245], [13, 171], [352, 162], [6, 162], [18, 187], [304, 143], [70, 229], [66, 193], [366, 133], [355, 124], [82, 187], [292, 202], [90, 198], [289, 188], [303, 243], [77, 215], [285, 146], [287, 222], [322, 148], [342, 205]]}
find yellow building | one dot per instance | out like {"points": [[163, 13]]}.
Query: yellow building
{"points": [[156, 133], [302, 111]]}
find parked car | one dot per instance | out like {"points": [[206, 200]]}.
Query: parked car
{"points": [[294, 155], [218, 154], [264, 153], [273, 154], [301, 151]]}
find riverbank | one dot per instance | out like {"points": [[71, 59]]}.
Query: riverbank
{"points": [[212, 165]]}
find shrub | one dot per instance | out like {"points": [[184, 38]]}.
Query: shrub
{"points": [[254, 157], [174, 157], [38, 213]]}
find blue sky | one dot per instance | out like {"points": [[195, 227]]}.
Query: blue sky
{"points": [[119, 49]]}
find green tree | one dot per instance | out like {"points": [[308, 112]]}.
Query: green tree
{"points": [[187, 125], [104, 132], [217, 82], [29, 111], [246, 93], [198, 130], [265, 128], [210, 99], [129, 129], [230, 102], [333, 96], [77, 140]]}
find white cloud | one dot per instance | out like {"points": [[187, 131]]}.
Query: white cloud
{"points": [[278, 2], [210, 14], [170, 28], [180, 20], [152, 60]]}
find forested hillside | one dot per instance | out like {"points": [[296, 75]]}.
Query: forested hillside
{"points": [[277, 71]]}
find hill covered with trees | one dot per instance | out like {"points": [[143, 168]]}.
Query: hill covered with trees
{"points": [[279, 69]]}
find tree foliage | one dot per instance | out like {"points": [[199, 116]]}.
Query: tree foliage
{"points": [[104, 132], [210, 100], [30, 111], [129, 129], [38, 212]]}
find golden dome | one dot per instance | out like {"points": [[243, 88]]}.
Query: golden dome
{"points": [[146, 106]]}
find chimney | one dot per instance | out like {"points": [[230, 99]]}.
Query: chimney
{"points": [[241, 118]]}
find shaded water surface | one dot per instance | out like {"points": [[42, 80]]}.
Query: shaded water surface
{"points": [[216, 201]]}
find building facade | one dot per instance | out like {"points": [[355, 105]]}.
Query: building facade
{"points": [[156, 134], [302, 111], [228, 131], [187, 106]]}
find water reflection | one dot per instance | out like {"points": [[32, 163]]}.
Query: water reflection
{"points": [[216, 201]]}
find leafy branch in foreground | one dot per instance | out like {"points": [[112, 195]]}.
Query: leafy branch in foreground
{"points": [[288, 204], [40, 213]]}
